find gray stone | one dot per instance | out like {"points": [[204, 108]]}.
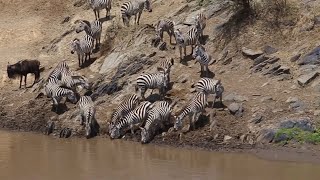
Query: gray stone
{"points": [[303, 123], [295, 58], [234, 107], [235, 97], [260, 59], [311, 58], [256, 119], [305, 79], [292, 100], [226, 138], [273, 60], [317, 20], [277, 110], [316, 112], [112, 61], [251, 53], [180, 10], [266, 136], [297, 106], [280, 138], [287, 124], [267, 98], [269, 50], [190, 18]]}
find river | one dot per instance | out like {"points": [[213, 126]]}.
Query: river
{"points": [[38, 157]]}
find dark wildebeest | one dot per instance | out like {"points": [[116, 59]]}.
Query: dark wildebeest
{"points": [[23, 68]]}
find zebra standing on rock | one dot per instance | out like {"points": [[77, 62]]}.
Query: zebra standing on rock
{"points": [[87, 112], [128, 103], [134, 7], [194, 109], [97, 5], [83, 47], [93, 29], [56, 92], [132, 120], [152, 81], [210, 86], [157, 116], [202, 57], [164, 25], [165, 66], [184, 40]]}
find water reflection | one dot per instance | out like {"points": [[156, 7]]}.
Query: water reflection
{"points": [[29, 156]]}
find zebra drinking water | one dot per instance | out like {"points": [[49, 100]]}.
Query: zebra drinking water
{"points": [[152, 81], [93, 29], [193, 109], [210, 86], [98, 5], [128, 103], [164, 25], [132, 120], [202, 57], [87, 112], [134, 7], [83, 47]]}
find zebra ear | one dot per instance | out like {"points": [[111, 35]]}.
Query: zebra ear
{"points": [[172, 61]]}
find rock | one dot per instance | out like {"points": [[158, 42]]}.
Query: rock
{"points": [[227, 61], [317, 20], [236, 109], [256, 119], [269, 50], [251, 53], [180, 10], [303, 123], [272, 69], [281, 137], [311, 58], [163, 46], [277, 110], [112, 61], [215, 8], [50, 127], [273, 60], [316, 112], [235, 97], [266, 136], [182, 78], [288, 124], [190, 18], [260, 59], [267, 98], [226, 138], [305, 79], [295, 58], [297, 106], [292, 100]]}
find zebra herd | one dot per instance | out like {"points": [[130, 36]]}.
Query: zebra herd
{"points": [[135, 112]]}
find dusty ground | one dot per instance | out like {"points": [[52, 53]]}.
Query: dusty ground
{"points": [[42, 30]]}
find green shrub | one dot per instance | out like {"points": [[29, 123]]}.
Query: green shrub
{"points": [[300, 135]]}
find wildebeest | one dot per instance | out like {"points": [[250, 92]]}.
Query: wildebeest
{"points": [[23, 68]]}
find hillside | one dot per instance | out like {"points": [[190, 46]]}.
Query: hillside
{"points": [[264, 58]]}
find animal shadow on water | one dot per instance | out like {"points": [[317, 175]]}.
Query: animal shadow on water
{"points": [[108, 18]]}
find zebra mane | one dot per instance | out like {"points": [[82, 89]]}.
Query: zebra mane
{"points": [[87, 22]]}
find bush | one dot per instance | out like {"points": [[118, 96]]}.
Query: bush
{"points": [[299, 135]]}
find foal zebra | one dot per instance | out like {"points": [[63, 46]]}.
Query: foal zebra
{"points": [[87, 112], [193, 109], [97, 5], [157, 116], [210, 86], [132, 120], [83, 47], [128, 103], [134, 7], [56, 92], [202, 57], [164, 25], [152, 81], [191, 38], [93, 29]]}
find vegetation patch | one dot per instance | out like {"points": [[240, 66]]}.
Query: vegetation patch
{"points": [[298, 135]]}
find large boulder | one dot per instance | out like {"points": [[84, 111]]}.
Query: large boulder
{"points": [[311, 58], [112, 61]]}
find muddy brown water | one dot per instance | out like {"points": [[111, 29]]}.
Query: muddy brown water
{"points": [[34, 156]]}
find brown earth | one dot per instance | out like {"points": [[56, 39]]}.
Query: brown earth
{"points": [[43, 29]]}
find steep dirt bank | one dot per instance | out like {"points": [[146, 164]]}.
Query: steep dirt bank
{"points": [[265, 93]]}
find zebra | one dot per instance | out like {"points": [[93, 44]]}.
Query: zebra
{"points": [[134, 7], [56, 92], [72, 82], [159, 114], [165, 67], [193, 109], [202, 57], [131, 120], [210, 86], [83, 47], [56, 73], [128, 103], [93, 29], [87, 112], [191, 38], [200, 23], [152, 81], [164, 25], [97, 5]]}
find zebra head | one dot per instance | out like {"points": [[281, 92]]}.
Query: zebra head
{"points": [[75, 45], [72, 97], [111, 125], [88, 130], [219, 89], [83, 26], [115, 133], [178, 123], [147, 5], [145, 135], [179, 37], [198, 50]]}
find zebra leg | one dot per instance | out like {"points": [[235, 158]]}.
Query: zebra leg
{"points": [[142, 91], [107, 12], [180, 51], [214, 100], [79, 59], [95, 14], [135, 19], [185, 51], [132, 129], [139, 15]]}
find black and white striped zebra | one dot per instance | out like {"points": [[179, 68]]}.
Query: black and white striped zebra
{"points": [[202, 57], [87, 112], [157, 117], [132, 120], [152, 81], [93, 29], [164, 25], [72, 82], [128, 103], [56, 73], [134, 7], [200, 23], [193, 109], [98, 5], [56, 92], [165, 66], [210, 86], [191, 38], [83, 47]]}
